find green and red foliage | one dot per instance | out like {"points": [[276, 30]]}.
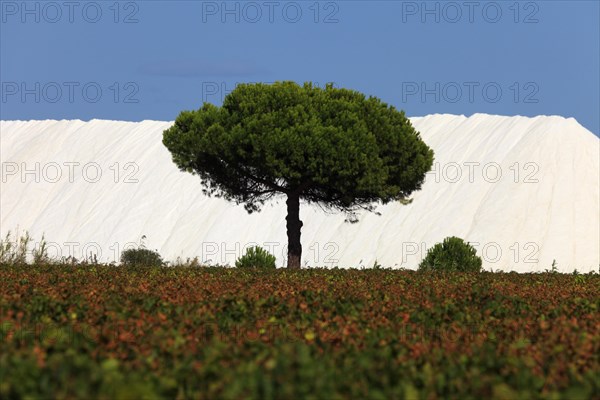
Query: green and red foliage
{"points": [[109, 332]]}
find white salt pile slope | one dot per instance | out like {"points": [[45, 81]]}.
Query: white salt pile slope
{"points": [[524, 191]]}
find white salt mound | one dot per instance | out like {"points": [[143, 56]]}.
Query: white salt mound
{"points": [[524, 191]]}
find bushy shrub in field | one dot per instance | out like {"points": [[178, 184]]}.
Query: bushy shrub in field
{"points": [[15, 251], [256, 257], [453, 254], [142, 257]]}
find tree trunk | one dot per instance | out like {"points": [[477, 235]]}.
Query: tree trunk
{"points": [[293, 231]]}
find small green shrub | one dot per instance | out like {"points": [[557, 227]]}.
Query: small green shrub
{"points": [[14, 251], [453, 254], [142, 257], [256, 257], [40, 253]]}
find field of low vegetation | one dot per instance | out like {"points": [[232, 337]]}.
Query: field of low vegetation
{"points": [[95, 331]]}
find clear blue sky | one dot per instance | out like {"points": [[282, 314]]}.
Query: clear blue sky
{"points": [[152, 59]]}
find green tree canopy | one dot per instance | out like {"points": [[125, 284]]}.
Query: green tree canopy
{"points": [[335, 147]]}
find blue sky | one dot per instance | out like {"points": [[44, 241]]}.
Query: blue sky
{"points": [[152, 59]]}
